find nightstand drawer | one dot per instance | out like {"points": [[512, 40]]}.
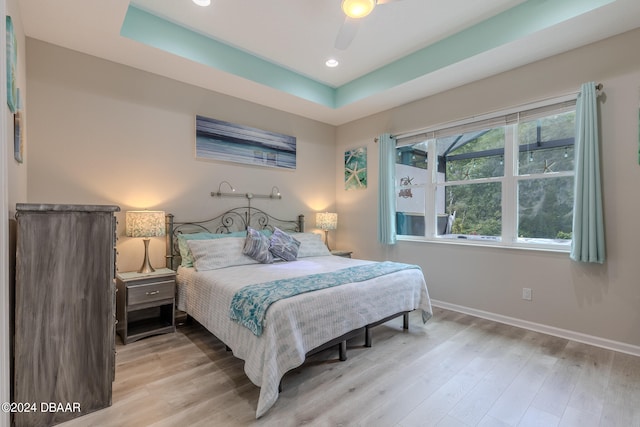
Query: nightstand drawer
{"points": [[151, 292]]}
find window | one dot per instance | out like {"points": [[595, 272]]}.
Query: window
{"points": [[506, 179]]}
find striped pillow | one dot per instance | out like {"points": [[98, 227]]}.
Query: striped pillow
{"points": [[256, 245], [282, 245]]}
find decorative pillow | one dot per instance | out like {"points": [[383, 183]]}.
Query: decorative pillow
{"points": [[213, 254], [282, 245], [311, 244], [266, 232], [185, 253], [256, 245]]}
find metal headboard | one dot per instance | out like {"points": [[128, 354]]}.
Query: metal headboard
{"points": [[236, 219]]}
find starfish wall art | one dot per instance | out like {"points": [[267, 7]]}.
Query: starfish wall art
{"points": [[355, 168]]}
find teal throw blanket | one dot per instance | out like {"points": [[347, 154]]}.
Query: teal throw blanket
{"points": [[249, 305]]}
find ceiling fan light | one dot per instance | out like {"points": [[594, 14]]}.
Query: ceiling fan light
{"points": [[358, 8], [202, 2]]}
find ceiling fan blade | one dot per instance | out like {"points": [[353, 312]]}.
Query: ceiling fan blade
{"points": [[347, 33]]}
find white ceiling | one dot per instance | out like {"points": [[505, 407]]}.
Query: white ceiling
{"points": [[299, 35]]}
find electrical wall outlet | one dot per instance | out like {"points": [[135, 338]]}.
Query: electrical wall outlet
{"points": [[526, 294]]}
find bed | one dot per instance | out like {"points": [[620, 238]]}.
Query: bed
{"points": [[215, 277]]}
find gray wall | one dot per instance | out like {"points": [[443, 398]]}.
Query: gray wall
{"points": [[601, 301], [17, 172], [105, 133]]}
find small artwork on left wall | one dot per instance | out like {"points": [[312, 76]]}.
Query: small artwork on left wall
{"points": [[12, 63], [17, 137], [218, 140]]}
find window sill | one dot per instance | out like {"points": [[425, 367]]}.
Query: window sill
{"points": [[491, 242]]}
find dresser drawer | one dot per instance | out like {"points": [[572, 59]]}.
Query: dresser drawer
{"points": [[151, 292]]}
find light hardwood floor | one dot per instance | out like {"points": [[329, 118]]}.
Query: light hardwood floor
{"points": [[456, 370]]}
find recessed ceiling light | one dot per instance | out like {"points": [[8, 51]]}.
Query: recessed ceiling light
{"points": [[202, 2], [332, 63]]}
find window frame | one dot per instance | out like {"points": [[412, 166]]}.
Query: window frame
{"points": [[509, 181]]}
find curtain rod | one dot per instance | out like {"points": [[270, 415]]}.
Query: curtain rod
{"points": [[599, 87]]}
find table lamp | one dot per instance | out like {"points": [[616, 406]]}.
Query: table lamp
{"points": [[145, 224], [326, 221]]}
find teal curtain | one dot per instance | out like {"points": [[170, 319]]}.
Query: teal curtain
{"points": [[587, 244], [386, 190]]}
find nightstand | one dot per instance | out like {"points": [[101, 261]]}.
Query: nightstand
{"points": [[345, 254], [145, 304]]}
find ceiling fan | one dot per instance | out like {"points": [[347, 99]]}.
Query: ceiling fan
{"points": [[354, 11]]}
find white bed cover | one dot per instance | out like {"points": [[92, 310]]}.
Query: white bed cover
{"points": [[295, 325]]}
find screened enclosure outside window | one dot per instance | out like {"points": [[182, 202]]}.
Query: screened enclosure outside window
{"points": [[506, 179], [472, 162], [545, 178], [545, 208]]}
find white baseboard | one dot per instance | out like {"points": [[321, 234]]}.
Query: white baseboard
{"points": [[545, 329]]}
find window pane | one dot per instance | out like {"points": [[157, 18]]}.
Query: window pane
{"points": [[546, 144], [477, 208], [545, 208], [412, 155], [411, 180], [472, 155], [546, 161], [409, 225]]}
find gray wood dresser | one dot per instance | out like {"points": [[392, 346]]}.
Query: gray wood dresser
{"points": [[64, 339]]}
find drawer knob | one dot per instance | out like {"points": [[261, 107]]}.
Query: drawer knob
{"points": [[153, 293]]}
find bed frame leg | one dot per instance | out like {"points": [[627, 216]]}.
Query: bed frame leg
{"points": [[342, 349], [367, 336], [405, 321]]}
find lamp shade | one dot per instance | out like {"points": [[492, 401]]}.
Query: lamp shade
{"points": [[327, 220], [145, 223]]}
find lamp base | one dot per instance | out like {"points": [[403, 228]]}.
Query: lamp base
{"points": [[146, 265], [326, 238]]}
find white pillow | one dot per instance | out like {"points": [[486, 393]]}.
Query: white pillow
{"points": [[311, 244], [218, 253]]}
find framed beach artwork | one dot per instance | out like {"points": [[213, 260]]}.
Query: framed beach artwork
{"points": [[355, 168], [219, 140]]}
